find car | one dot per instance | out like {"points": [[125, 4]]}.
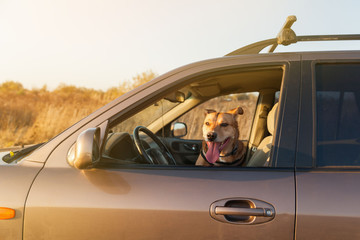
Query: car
{"points": [[127, 171]]}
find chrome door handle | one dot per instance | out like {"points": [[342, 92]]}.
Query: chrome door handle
{"points": [[263, 212], [242, 211]]}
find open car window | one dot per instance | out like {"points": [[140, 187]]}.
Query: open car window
{"points": [[253, 91]]}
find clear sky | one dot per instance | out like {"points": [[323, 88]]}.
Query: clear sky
{"points": [[98, 44]]}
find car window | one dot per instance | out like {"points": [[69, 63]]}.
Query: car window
{"points": [[338, 114], [243, 99]]}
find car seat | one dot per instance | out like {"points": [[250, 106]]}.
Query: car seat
{"points": [[261, 157]]}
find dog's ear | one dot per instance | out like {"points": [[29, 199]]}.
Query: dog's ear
{"points": [[235, 111], [207, 111]]}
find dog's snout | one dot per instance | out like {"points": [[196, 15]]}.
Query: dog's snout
{"points": [[211, 136]]}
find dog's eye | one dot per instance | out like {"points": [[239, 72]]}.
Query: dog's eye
{"points": [[224, 124], [207, 123]]}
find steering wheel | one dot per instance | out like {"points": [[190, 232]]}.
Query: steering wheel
{"points": [[153, 155]]}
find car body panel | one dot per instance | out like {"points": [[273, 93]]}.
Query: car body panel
{"points": [[153, 204], [15, 184], [327, 204]]}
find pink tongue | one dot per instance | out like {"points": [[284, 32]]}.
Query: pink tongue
{"points": [[213, 152]]}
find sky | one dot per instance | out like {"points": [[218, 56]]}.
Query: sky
{"points": [[99, 44]]}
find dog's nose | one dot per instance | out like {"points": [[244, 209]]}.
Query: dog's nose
{"points": [[211, 136]]}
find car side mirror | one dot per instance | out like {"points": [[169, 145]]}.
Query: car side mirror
{"points": [[85, 153], [178, 129]]}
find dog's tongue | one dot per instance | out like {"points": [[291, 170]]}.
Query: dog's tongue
{"points": [[213, 152]]}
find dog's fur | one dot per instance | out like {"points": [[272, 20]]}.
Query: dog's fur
{"points": [[221, 146]]}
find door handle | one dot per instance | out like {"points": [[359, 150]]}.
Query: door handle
{"points": [[242, 211], [262, 212]]}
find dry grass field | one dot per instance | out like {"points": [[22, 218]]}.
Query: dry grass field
{"points": [[28, 117], [35, 116]]}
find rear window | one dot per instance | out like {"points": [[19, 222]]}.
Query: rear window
{"points": [[338, 114]]}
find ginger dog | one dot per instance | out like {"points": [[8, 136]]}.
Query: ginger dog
{"points": [[221, 146]]}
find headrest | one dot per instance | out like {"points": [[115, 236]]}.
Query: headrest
{"points": [[271, 119]]}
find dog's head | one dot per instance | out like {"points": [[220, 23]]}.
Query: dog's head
{"points": [[218, 130]]}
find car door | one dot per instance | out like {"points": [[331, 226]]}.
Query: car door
{"points": [[184, 150], [172, 202], [328, 161]]}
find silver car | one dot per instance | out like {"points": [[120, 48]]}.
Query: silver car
{"points": [[127, 171]]}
